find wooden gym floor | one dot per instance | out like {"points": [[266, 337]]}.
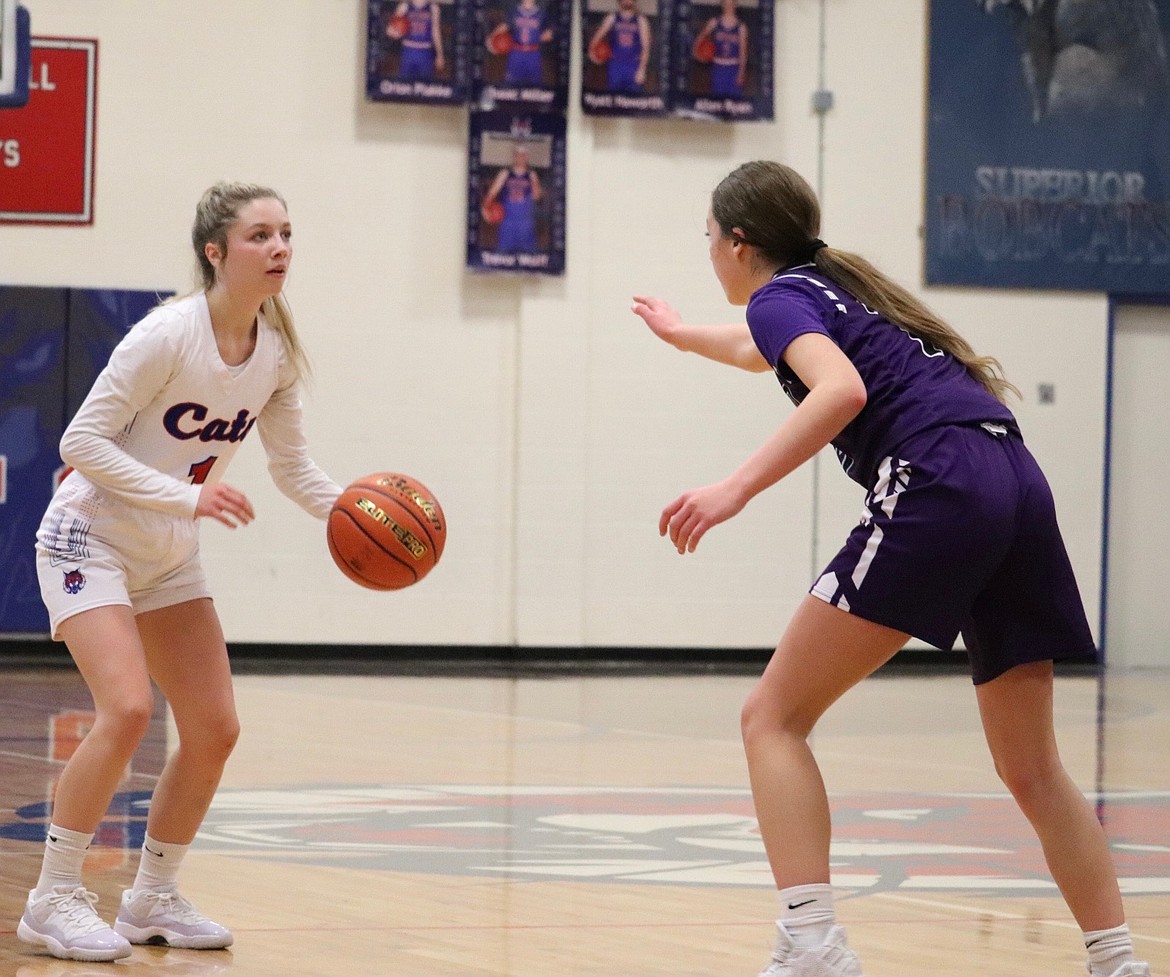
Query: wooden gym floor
{"points": [[593, 827]]}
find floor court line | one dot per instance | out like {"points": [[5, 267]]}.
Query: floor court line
{"points": [[1000, 914]]}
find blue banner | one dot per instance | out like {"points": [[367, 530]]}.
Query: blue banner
{"points": [[1048, 145], [53, 344], [32, 420]]}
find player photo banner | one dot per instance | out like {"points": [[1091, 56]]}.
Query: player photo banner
{"points": [[516, 193], [627, 47], [521, 55], [419, 51], [723, 60], [1048, 145]]}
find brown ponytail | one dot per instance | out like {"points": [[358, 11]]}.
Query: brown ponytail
{"points": [[777, 212]]}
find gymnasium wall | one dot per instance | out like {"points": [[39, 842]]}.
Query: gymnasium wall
{"points": [[550, 423]]}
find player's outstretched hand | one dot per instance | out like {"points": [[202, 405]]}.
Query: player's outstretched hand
{"points": [[224, 504], [659, 315], [689, 516]]}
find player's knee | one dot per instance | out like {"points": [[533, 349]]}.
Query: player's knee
{"points": [[223, 737], [765, 714], [751, 725], [213, 740], [1029, 778], [127, 719]]}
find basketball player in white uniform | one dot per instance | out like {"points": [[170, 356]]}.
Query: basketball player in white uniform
{"points": [[119, 568]]}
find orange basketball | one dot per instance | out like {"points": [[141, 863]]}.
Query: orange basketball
{"points": [[600, 51], [500, 42], [704, 50], [397, 27], [493, 211], [386, 531]]}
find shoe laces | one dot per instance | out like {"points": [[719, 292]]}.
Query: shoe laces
{"points": [[780, 965], [172, 905], [77, 906]]}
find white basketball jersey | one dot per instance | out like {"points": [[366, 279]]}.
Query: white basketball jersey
{"points": [[167, 415]]}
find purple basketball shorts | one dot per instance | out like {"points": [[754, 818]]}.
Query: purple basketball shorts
{"points": [[959, 535]]}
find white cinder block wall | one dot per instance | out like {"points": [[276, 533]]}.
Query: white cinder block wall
{"points": [[549, 422]]}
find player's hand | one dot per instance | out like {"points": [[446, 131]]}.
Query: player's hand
{"points": [[689, 516], [659, 315], [640, 76], [224, 504]]}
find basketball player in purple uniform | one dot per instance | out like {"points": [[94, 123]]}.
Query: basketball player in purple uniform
{"points": [[119, 568], [518, 188], [526, 24], [628, 33], [959, 536], [422, 43], [730, 36]]}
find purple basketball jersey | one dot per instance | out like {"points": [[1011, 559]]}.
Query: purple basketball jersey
{"points": [[910, 385]]}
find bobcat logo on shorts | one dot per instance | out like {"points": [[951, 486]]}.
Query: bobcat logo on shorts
{"points": [[74, 582]]}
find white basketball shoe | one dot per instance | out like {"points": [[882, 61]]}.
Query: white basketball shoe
{"points": [[833, 958]]}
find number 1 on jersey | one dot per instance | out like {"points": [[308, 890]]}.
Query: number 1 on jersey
{"points": [[199, 471]]}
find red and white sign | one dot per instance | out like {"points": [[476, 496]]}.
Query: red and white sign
{"points": [[47, 146]]}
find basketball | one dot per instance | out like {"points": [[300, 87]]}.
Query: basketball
{"points": [[704, 50], [386, 531], [600, 51], [398, 26], [499, 42], [493, 211]]}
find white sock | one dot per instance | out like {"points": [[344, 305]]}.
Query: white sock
{"points": [[64, 855], [158, 869], [806, 912], [1108, 950]]}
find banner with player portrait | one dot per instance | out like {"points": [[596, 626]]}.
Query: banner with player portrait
{"points": [[628, 51], [1048, 145], [516, 192], [723, 60], [419, 51], [521, 55]]}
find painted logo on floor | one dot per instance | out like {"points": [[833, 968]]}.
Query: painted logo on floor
{"points": [[678, 836]]}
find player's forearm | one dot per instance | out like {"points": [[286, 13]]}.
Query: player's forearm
{"points": [[111, 469], [731, 344], [821, 416]]}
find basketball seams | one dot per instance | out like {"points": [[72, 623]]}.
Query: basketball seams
{"points": [[343, 566], [373, 483], [360, 578], [378, 543], [356, 524], [412, 509]]}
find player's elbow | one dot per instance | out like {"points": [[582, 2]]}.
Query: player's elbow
{"points": [[753, 361], [852, 396], [748, 357], [72, 448]]}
